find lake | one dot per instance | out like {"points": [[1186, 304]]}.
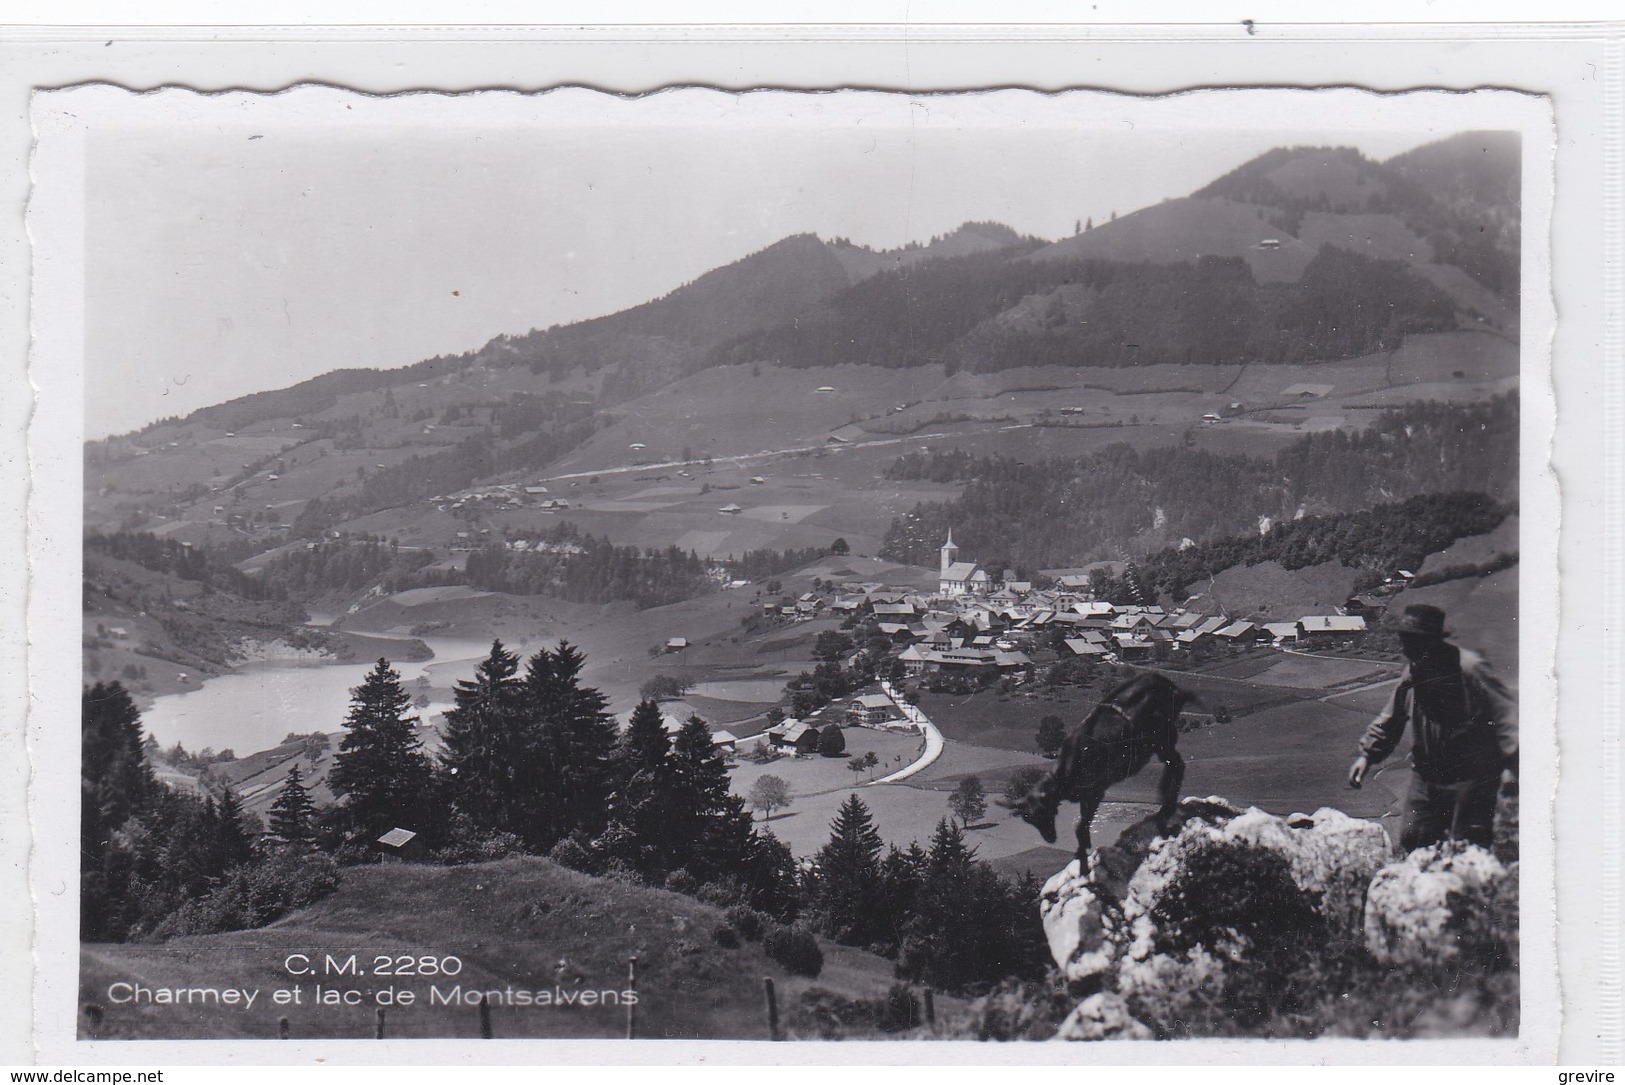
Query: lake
{"points": [[252, 708]]}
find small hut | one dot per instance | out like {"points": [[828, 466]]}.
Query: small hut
{"points": [[401, 846]]}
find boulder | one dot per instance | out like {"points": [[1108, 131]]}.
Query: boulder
{"points": [[1080, 923], [1442, 903], [1103, 1016]]}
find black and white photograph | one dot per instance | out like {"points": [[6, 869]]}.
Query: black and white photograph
{"points": [[778, 566]]}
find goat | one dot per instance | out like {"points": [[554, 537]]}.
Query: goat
{"points": [[1138, 718]]}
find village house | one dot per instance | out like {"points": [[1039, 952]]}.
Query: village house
{"points": [[1322, 629], [869, 709]]}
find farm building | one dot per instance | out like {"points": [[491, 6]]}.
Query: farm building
{"points": [[795, 735], [1331, 627]]}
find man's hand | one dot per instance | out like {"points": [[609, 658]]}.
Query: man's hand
{"points": [[1357, 772]]}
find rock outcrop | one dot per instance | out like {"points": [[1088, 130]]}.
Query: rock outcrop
{"points": [[1176, 918], [1439, 904]]}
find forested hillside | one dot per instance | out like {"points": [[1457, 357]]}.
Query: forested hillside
{"points": [[1055, 513], [991, 311]]}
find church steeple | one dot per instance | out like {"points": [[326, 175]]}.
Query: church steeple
{"points": [[949, 552]]}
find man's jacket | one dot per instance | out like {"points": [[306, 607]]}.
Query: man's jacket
{"points": [[1464, 723]]}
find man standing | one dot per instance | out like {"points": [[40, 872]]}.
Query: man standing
{"points": [[1464, 733]]}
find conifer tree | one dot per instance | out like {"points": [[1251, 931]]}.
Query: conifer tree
{"points": [[292, 813], [488, 745], [708, 826], [380, 771], [641, 790], [848, 884], [235, 844], [114, 778], [643, 747], [570, 746]]}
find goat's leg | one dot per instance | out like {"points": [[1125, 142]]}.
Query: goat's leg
{"points": [[1087, 805], [1173, 776]]}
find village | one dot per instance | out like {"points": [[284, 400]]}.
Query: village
{"points": [[979, 631]]}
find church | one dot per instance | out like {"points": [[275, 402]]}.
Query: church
{"points": [[959, 577]]}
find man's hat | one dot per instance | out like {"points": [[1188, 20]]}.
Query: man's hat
{"points": [[1420, 619]]}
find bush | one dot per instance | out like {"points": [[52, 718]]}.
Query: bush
{"points": [[750, 923], [681, 881], [467, 843], [255, 894], [795, 948], [901, 1009], [1015, 1010], [572, 853], [726, 937]]}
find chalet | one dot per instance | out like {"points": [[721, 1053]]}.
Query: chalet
{"points": [[1131, 647], [1086, 649], [731, 509], [1284, 632], [535, 491], [725, 740], [794, 735], [870, 709], [1241, 633], [676, 644], [400, 846], [758, 480], [893, 610], [1322, 628]]}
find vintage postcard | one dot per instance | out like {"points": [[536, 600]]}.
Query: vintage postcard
{"points": [[786, 566]]}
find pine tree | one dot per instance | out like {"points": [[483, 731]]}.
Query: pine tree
{"points": [[708, 826], [638, 806], [381, 772], [292, 813], [487, 744], [115, 780], [236, 845], [848, 883], [571, 744], [642, 751]]}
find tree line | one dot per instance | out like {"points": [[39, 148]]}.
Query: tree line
{"points": [[531, 763], [1084, 312], [1058, 512], [1379, 541]]}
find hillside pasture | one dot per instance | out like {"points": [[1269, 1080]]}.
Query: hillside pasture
{"points": [[525, 924]]}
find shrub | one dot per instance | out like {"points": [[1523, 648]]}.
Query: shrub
{"points": [[726, 937], [255, 894], [722, 893], [572, 853], [681, 881], [1017, 1010], [750, 923], [467, 843], [901, 1009], [795, 948]]}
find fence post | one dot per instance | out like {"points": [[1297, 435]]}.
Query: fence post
{"points": [[378, 1031], [632, 1004], [772, 1009], [930, 1007], [485, 1018], [282, 1028]]}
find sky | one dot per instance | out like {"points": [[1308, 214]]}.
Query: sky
{"points": [[236, 243]]}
